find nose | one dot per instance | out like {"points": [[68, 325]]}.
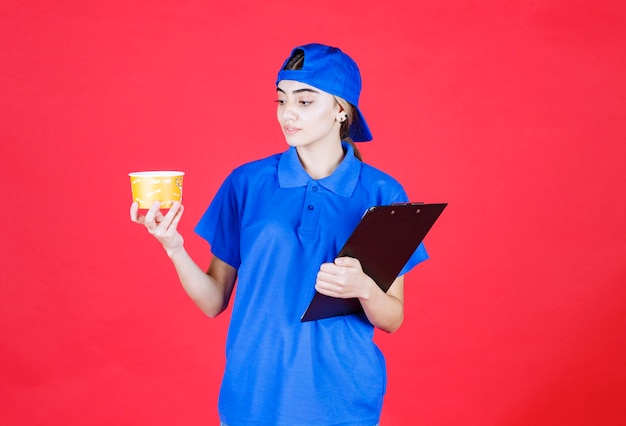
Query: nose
{"points": [[287, 112]]}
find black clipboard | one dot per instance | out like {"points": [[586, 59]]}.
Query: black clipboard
{"points": [[383, 241]]}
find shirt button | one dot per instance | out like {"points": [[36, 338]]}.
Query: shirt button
{"points": [[314, 189], [311, 207]]}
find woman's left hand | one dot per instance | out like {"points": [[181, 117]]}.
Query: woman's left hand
{"points": [[344, 278]]}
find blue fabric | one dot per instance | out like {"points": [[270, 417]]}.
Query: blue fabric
{"points": [[276, 225], [224, 424]]}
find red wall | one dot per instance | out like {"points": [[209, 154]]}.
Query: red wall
{"points": [[513, 112]]}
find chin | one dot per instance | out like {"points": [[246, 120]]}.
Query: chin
{"points": [[291, 141]]}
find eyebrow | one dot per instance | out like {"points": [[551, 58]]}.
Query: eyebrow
{"points": [[306, 89]]}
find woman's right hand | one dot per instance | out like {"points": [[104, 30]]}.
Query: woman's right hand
{"points": [[162, 227]]}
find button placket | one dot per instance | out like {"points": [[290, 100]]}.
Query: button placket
{"points": [[311, 212]]}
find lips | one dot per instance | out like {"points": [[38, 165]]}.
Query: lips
{"points": [[289, 130]]}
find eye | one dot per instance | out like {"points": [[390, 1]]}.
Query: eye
{"points": [[280, 101], [305, 103]]}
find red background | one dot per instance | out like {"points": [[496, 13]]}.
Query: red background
{"points": [[513, 112]]}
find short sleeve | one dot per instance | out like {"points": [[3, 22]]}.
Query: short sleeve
{"points": [[417, 257], [220, 224]]}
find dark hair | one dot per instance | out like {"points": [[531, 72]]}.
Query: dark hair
{"points": [[296, 62]]}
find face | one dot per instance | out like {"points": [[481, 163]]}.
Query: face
{"points": [[308, 116]]}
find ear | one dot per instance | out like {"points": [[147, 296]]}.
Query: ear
{"points": [[341, 114]]}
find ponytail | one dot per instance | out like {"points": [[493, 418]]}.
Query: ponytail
{"points": [[344, 131]]}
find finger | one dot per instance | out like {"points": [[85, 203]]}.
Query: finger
{"points": [[346, 261], [177, 215], [330, 273], [173, 210], [331, 290], [323, 287], [134, 209], [329, 268], [151, 215], [158, 216], [166, 221], [324, 277]]}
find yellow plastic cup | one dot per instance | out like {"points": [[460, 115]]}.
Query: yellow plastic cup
{"points": [[165, 186]]}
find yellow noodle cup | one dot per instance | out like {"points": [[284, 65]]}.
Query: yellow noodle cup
{"points": [[165, 186]]}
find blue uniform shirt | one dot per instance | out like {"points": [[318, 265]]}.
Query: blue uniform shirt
{"points": [[277, 225]]}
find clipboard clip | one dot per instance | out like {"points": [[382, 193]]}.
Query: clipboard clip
{"points": [[418, 203], [411, 204]]}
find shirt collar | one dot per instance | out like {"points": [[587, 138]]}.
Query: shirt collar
{"points": [[342, 181]]}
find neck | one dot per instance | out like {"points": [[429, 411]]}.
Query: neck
{"points": [[320, 163]]}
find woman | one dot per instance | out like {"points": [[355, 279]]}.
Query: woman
{"points": [[275, 226]]}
